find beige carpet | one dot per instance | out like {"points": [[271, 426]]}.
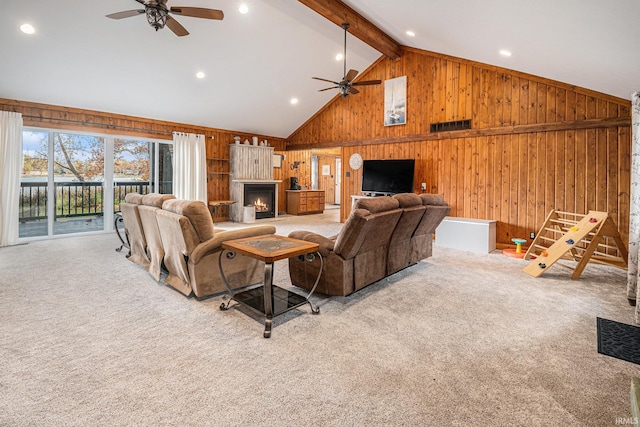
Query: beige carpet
{"points": [[87, 338]]}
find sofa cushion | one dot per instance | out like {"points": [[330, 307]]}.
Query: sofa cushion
{"points": [[156, 199], [433, 199], [408, 200], [196, 212], [351, 236], [377, 204], [327, 244], [134, 198]]}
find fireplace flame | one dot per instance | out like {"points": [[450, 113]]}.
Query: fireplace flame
{"points": [[261, 206]]}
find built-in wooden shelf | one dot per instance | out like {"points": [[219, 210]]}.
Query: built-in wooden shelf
{"points": [[216, 168]]}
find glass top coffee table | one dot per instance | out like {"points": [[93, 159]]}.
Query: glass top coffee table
{"points": [[266, 298]]}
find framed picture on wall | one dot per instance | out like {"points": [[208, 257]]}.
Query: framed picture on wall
{"points": [[395, 101], [277, 160]]}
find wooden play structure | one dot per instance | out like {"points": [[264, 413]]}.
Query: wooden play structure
{"points": [[593, 238]]}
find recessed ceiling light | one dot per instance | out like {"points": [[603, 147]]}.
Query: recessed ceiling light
{"points": [[411, 33], [200, 75], [339, 57], [243, 9], [294, 101], [27, 28], [504, 52]]}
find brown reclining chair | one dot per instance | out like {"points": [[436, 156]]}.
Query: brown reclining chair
{"points": [[192, 249], [422, 241], [400, 246], [357, 256]]}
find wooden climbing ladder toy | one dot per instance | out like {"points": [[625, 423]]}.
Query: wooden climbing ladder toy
{"points": [[593, 237]]}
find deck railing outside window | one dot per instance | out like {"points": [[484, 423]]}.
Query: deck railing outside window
{"points": [[73, 199]]}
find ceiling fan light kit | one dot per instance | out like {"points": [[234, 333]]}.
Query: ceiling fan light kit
{"points": [[346, 85], [158, 16]]}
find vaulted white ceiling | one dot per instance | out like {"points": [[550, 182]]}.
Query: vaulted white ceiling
{"points": [[255, 63]]}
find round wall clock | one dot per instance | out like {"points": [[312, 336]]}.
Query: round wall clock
{"points": [[355, 161]]}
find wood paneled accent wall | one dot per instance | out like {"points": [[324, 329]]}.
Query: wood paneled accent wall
{"points": [[535, 144], [302, 172], [74, 119]]}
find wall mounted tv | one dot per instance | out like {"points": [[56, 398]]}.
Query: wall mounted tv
{"points": [[385, 177]]}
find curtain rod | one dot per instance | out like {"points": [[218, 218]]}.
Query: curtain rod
{"points": [[104, 125]]}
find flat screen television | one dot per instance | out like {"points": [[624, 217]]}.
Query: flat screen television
{"points": [[383, 177]]}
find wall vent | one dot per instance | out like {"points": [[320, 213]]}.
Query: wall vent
{"points": [[449, 126]]}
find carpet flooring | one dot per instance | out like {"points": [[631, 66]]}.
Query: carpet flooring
{"points": [[88, 338]]}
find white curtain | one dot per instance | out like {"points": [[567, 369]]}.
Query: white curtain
{"points": [[189, 167], [634, 214], [10, 170]]}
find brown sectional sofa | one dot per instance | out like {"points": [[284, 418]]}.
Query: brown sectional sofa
{"points": [[381, 236], [179, 234]]}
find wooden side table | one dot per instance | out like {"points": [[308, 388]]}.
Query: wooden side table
{"points": [[266, 298], [217, 203]]}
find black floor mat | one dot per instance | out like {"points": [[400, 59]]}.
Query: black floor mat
{"points": [[619, 340]]}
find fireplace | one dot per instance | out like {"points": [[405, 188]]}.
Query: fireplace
{"points": [[262, 197], [251, 178]]}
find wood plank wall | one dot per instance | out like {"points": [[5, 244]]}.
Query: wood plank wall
{"points": [[74, 119], [302, 172], [535, 144]]}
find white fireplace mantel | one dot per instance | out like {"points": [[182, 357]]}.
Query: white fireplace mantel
{"points": [[256, 181]]}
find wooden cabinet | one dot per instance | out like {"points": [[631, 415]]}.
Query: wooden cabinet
{"points": [[302, 202], [251, 162]]}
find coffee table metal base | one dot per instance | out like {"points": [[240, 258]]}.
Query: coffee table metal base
{"points": [[268, 299]]}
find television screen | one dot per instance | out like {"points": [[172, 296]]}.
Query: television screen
{"points": [[388, 176]]}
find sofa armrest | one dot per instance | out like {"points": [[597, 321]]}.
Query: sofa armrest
{"points": [[326, 244], [214, 244]]}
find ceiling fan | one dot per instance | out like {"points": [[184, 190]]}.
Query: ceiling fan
{"points": [[158, 15], [346, 86]]}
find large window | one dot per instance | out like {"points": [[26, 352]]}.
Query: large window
{"points": [[131, 170], [73, 183], [78, 177]]}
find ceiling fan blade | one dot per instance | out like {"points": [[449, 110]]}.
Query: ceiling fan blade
{"points": [[141, 2], [329, 88], [353, 90], [325, 80], [125, 14], [175, 26], [197, 12], [351, 75], [367, 82]]}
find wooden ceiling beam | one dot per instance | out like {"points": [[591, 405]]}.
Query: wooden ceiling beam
{"points": [[339, 13]]}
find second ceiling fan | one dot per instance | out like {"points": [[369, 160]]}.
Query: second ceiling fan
{"points": [[346, 85]]}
